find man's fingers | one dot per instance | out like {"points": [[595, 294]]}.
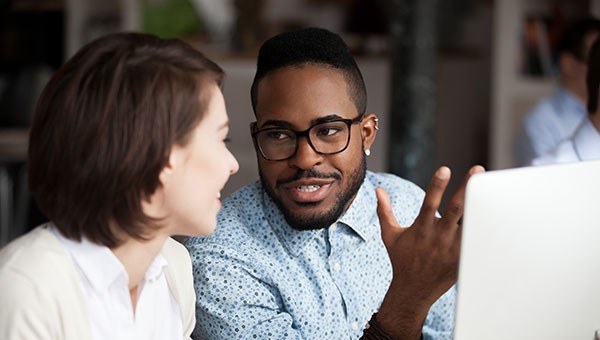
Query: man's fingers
{"points": [[387, 220], [434, 194], [455, 208]]}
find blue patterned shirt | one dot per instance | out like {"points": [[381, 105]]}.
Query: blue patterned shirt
{"points": [[257, 278]]}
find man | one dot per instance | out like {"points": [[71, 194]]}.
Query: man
{"points": [[299, 255], [556, 118], [584, 144]]}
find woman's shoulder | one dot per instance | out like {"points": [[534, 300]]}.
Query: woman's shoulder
{"points": [[178, 259], [40, 287], [174, 250], [36, 265], [37, 254]]}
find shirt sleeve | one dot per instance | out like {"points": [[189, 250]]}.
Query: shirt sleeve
{"points": [[233, 299]]}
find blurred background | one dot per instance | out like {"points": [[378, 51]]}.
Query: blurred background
{"points": [[450, 80]]}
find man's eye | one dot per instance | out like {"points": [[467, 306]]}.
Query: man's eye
{"points": [[278, 135], [328, 131]]}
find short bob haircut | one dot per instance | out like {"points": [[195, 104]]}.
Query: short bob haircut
{"points": [[104, 127]]}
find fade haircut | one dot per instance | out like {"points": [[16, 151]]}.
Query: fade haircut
{"points": [[573, 39], [593, 77], [310, 46], [104, 127]]}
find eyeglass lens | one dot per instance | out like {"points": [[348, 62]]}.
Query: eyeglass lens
{"points": [[325, 138]]}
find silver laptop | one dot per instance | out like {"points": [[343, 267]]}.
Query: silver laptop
{"points": [[530, 255]]}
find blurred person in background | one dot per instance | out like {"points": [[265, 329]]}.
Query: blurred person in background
{"points": [[584, 144], [555, 118]]}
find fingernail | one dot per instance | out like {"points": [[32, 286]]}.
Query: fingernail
{"points": [[443, 173]]}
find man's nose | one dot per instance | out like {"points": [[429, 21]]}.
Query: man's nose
{"points": [[305, 157]]}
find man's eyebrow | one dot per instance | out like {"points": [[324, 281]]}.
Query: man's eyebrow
{"points": [[326, 119], [288, 125], [276, 123]]}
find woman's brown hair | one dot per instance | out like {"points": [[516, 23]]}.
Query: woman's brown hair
{"points": [[104, 127]]}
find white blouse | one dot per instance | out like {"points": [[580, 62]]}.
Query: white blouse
{"points": [[104, 283]]}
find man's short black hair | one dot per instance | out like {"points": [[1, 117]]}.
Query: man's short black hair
{"points": [[593, 77], [310, 46], [573, 39]]}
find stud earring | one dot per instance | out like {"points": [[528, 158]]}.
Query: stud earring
{"points": [[368, 152], [376, 123]]}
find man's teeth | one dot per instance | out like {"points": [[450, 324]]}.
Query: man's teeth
{"points": [[308, 188]]}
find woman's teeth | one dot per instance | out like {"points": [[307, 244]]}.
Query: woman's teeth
{"points": [[308, 188]]}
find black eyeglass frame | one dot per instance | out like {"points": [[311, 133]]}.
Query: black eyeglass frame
{"points": [[299, 134]]}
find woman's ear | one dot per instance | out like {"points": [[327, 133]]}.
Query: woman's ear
{"points": [[369, 127], [175, 159]]}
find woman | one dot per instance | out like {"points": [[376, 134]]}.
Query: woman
{"points": [[127, 148]]}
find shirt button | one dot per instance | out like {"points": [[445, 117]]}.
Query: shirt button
{"points": [[336, 266], [355, 325]]}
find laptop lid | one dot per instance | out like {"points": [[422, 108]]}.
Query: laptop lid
{"points": [[530, 254]]}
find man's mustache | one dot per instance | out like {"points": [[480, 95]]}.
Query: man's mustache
{"points": [[310, 173]]}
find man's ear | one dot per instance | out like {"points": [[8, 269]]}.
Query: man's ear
{"points": [[369, 127]]}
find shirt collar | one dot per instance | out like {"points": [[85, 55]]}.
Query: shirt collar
{"points": [[100, 266], [586, 141], [293, 240], [357, 217]]}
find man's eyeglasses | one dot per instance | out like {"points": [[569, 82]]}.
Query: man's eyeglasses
{"points": [[327, 138]]}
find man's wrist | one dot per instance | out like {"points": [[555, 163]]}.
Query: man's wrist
{"points": [[374, 331], [401, 315]]}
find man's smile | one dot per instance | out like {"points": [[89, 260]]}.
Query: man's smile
{"points": [[308, 190]]}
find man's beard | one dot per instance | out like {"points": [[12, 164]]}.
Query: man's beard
{"points": [[325, 218]]}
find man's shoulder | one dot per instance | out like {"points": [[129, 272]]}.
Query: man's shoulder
{"points": [[406, 196], [394, 184]]}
